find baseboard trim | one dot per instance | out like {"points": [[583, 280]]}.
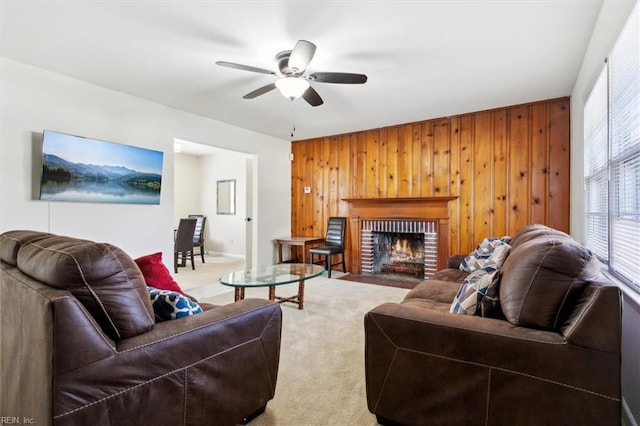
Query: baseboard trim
{"points": [[217, 253], [627, 415]]}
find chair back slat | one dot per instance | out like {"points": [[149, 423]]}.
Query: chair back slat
{"points": [[198, 233], [335, 232]]}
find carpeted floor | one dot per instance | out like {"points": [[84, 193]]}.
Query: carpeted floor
{"points": [[203, 281], [321, 373]]}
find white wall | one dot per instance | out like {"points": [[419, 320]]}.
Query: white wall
{"points": [[187, 181], [610, 21], [224, 234], [227, 231], [34, 99]]}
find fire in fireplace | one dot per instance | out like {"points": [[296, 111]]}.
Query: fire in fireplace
{"points": [[399, 253], [399, 247]]}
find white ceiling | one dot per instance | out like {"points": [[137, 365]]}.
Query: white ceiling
{"points": [[424, 59]]}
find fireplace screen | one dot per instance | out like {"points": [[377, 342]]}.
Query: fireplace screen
{"points": [[405, 247]]}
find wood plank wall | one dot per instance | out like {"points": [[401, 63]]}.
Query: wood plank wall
{"points": [[508, 166]]}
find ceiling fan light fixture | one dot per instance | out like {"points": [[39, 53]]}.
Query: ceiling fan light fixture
{"points": [[292, 87], [294, 83]]}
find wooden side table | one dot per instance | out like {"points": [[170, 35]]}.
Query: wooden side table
{"points": [[304, 242]]}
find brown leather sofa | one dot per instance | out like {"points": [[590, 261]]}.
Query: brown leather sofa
{"points": [[552, 357], [80, 345]]}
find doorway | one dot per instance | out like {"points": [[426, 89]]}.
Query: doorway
{"points": [[197, 169]]}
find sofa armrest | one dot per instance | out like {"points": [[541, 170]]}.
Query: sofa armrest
{"points": [[596, 320], [236, 346], [485, 342], [217, 319], [414, 315]]}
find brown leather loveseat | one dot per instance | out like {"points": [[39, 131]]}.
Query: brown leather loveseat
{"points": [[80, 344], [550, 356]]}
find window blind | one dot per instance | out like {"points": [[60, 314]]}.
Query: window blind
{"points": [[596, 155], [624, 113]]}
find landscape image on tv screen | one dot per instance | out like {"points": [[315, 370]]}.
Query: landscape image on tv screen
{"points": [[80, 169]]}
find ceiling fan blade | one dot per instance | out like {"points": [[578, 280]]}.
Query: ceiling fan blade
{"points": [[260, 91], [244, 67], [283, 62], [338, 77], [301, 55], [312, 97]]}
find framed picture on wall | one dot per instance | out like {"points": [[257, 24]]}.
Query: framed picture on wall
{"points": [[80, 169], [226, 197]]}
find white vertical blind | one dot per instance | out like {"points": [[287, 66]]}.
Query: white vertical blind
{"points": [[612, 161], [596, 155], [625, 88], [624, 98]]}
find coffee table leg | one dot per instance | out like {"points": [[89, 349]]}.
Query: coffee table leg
{"points": [[298, 299], [272, 292], [301, 294], [304, 253], [238, 294]]}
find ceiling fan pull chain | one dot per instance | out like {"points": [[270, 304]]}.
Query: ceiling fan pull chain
{"points": [[293, 121]]}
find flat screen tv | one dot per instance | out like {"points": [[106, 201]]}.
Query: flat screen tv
{"points": [[80, 169]]}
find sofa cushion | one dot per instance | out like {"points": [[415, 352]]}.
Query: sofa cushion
{"points": [[480, 256], [101, 276], [13, 240], [433, 290], [533, 231], [170, 305], [450, 274], [542, 278], [156, 273]]}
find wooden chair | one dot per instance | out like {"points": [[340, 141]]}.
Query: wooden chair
{"points": [[198, 234], [333, 244], [183, 243]]}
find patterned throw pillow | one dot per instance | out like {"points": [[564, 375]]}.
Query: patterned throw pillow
{"points": [[489, 306], [169, 305], [480, 256], [480, 284], [472, 291]]}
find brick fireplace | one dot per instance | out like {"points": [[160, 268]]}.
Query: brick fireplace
{"points": [[428, 216]]}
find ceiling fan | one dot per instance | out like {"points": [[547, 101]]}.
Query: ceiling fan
{"points": [[293, 82]]}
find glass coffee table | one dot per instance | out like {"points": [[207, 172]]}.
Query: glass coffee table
{"points": [[272, 276]]}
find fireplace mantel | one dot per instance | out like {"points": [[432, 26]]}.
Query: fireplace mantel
{"points": [[399, 200], [418, 208]]}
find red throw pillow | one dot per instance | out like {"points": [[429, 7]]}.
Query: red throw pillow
{"points": [[156, 273]]}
